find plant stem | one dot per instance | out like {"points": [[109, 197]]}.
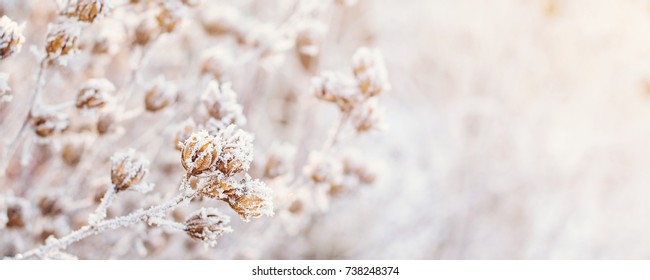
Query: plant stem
{"points": [[117, 222]]}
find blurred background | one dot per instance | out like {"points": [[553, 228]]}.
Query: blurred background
{"points": [[515, 130]]}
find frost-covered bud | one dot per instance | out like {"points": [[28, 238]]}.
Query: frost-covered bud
{"points": [[127, 170], [221, 187], [11, 37], [15, 216], [216, 63], [254, 202], [323, 170], [160, 95], [353, 167], [169, 16], [63, 40], [207, 225], [72, 152], [368, 116], [50, 206], [5, 90], [236, 152], [46, 122], [146, 30], [279, 161], [106, 122], [221, 103], [95, 93], [220, 20], [184, 131], [336, 88], [308, 39], [370, 71], [347, 3], [199, 153], [86, 10]]}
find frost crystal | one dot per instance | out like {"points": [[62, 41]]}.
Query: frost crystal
{"points": [[11, 37]]}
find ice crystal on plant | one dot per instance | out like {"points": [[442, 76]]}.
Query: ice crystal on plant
{"points": [[11, 37]]}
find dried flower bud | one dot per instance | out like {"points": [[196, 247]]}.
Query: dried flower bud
{"points": [[160, 95], [5, 90], [359, 172], [15, 216], [62, 40], [127, 170], [207, 225], [146, 30], [368, 116], [254, 202], [279, 161], [185, 131], [216, 63], [169, 16], [11, 37], [323, 170], [199, 153], [47, 122], [236, 152], [49, 206], [106, 122], [308, 40], [336, 88], [220, 20], [95, 93], [370, 71], [72, 152], [221, 103], [86, 10]]}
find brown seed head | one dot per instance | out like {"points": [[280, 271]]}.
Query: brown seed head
{"points": [[207, 225], [11, 37], [199, 153], [127, 170]]}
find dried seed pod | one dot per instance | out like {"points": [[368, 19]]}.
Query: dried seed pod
{"points": [[169, 16], [127, 170], [160, 95], [106, 122], [62, 40], [236, 152], [336, 88], [370, 71], [72, 152], [199, 153], [323, 170], [221, 103], [185, 131], [220, 187], [11, 37], [86, 10], [279, 161], [254, 202], [146, 30], [221, 20], [207, 225], [216, 63], [15, 216], [48, 122], [49, 206], [307, 43], [368, 116], [95, 93]]}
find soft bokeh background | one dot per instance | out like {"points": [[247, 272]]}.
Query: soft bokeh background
{"points": [[517, 130]]}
